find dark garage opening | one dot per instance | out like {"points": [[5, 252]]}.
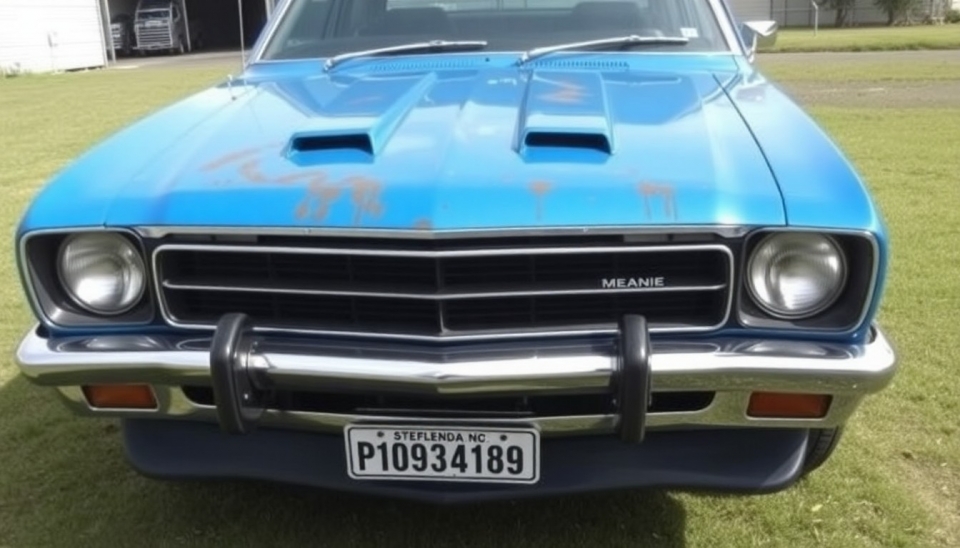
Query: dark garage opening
{"points": [[220, 22]]}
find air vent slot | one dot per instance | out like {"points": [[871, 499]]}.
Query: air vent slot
{"points": [[553, 139], [402, 66], [582, 65], [315, 143]]}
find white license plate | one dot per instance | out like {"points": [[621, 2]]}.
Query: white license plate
{"points": [[489, 455]]}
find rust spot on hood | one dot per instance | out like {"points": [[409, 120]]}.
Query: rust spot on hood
{"points": [[320, 192], [250, 171], [228, 159], [320, 195], [236, 156], [365, 195], [540, 189], [566, 93], [423, 224], [665, 193]]}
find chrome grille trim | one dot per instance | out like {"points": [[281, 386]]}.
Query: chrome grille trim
{"points": [[227, 248], [628, 232], [161, 284], [154, 36], [436, 296]]}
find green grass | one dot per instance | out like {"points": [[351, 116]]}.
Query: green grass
{"points": [[868, 39], [894, 480], [873, 70]]}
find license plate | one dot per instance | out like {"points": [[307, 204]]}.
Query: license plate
{"points": [[154, 23], [461, 454]]}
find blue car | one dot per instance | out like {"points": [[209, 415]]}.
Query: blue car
{"points": [[469, 250]]}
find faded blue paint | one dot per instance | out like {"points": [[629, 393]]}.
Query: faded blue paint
{"points": [[446, 150], [683, 140]]}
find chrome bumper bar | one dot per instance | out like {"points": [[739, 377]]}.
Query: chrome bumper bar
{"points": [[733, 368]]}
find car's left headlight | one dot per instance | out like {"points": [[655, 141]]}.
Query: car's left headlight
{"points": [[102, 273], [795, 275]]}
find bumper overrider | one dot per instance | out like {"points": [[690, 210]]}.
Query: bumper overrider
{"points": [[727, 444]]}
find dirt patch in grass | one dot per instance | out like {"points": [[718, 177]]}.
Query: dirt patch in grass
{"points": [[935, 486], [876, 80], [877, 94]]}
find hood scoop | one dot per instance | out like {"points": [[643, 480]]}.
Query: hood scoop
{"points": [[336, 142], [354, 124], [565, 112], [598, 142], [311, 148]]}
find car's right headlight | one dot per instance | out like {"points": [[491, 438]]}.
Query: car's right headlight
{"points": [[102, 273], [795, 275]]}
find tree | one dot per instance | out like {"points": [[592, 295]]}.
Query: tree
{"points": [[896, 10], [842, 7]]}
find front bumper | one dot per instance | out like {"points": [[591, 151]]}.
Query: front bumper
{"points": [[716, 447], [729, 369]]}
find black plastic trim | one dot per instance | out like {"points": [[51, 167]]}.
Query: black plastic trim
{"points": [[634, 393], [237, 402]]}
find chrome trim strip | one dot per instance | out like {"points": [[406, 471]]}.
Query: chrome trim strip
{"points": [[725, 20], [435, 296], [709, 364], [731, 368], [449, 336], [455, 253], [724, 231], [266, 35]]}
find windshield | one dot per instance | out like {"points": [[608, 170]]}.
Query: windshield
{"points": [[153, 14], [322, 28]]}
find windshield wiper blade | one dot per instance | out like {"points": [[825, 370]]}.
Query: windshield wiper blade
{"points": [[619, 41], [417, 47]]}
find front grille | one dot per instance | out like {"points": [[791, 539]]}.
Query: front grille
{"points": [[447, 293], [154, 36]]}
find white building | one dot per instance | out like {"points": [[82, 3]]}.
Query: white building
{"points": [[51, 35], [60, 35], [804, 13]]}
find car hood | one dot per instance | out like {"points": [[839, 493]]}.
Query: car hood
{"points": [[462, 148]]}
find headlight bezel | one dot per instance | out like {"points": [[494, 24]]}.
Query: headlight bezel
{"points": [[811, 312], [38, 258], [861, 254], [71, 291]]}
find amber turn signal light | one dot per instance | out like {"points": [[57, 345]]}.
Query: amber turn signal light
{"points": [[788, 406], [120, 396]]}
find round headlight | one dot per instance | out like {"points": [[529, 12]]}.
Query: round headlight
{"points": [[796, 275], [102, 272]]}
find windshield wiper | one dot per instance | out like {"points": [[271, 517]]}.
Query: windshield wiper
{"points": [[417, 47], [602, 43]]}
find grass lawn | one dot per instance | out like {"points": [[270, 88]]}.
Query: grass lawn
{"points": [[894, 481], [868, 39], [906, 67]]}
